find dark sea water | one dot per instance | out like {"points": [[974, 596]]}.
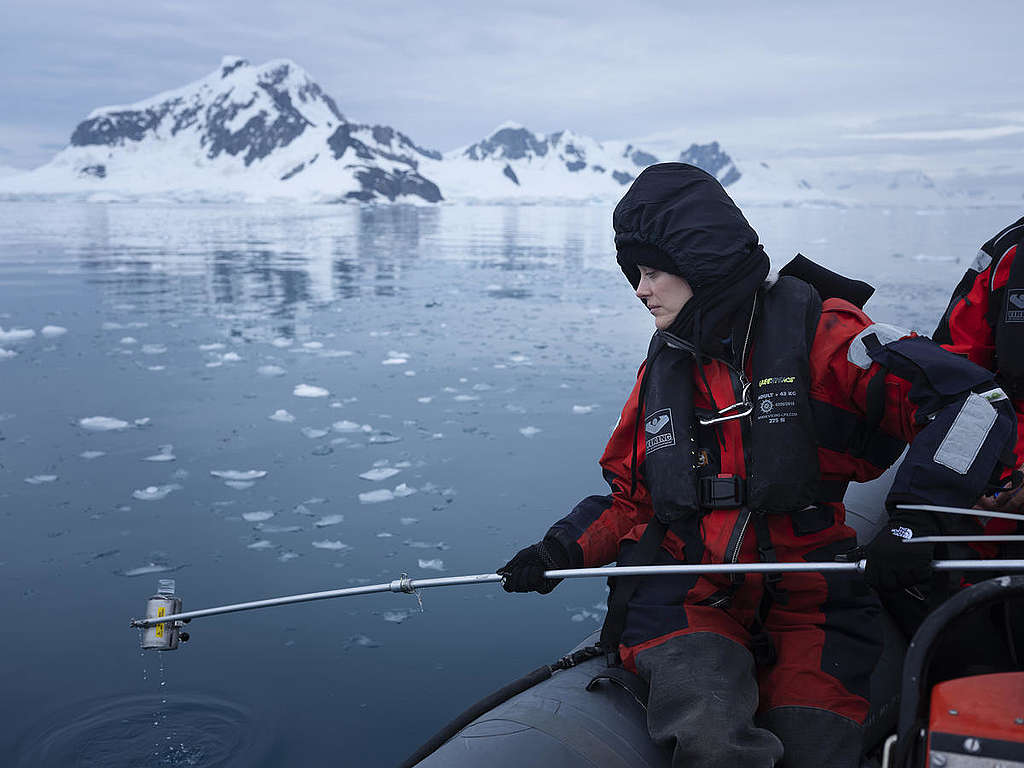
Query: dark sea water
{"points": [[482, 354]]}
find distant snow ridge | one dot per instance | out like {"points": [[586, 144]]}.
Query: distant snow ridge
{"points": [[513, 162], [711, 158], [241, 132]]}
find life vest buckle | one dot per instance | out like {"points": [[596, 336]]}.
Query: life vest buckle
{"points": [[723, 492]]}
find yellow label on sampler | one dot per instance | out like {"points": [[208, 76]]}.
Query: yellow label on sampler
{"points": [[161, 611]]}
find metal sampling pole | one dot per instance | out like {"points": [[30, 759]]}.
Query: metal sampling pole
{"points": [[410, 586]]}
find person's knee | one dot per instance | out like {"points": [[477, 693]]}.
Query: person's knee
{"points": [[813, 737]]}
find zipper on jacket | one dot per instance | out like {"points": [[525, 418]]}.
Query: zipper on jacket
{"points": [[732, 554]]}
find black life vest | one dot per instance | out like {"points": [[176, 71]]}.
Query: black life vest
{"points": [[780, 443], [1009, 327]]}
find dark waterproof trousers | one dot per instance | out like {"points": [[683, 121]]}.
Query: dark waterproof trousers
{"points": [[691, 639]]}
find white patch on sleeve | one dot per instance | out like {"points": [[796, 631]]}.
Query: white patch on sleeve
{"points": [[858, 352], [961, 444], [981, 262]]}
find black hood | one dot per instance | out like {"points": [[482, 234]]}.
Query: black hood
{"points": [[679, 219]]}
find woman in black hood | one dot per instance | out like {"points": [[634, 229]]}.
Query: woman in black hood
{"points": [[756, 405]]}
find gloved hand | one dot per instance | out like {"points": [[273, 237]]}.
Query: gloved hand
{"points": [[893, 564], [525, 571]]}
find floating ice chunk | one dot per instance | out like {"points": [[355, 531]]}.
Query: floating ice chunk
{"points": [[155, 367], [15, 334], [424, 399], [384, 437], [231, 357], [281, 415], [465, 398], [215, 364], [142, 422], [403, 490], [395, 361], [361, 641], [395, 617], [426, 545], [327, 520], [239, 485], [375, 497], [335, 545], [529, 431], [102, 423], [7, 354], [239, 474], [431, 565], [581, 409], [482, 387], [271, 370], [129, 340], [261, 544], [410, 373], [385, 535], [322, 450], [142, 570], [408, 520], [279, 528], [257, 517], [211, 347], [314, 434], [313, 345], [153, 349], [92, 454], [345, 426], [40, 479], [379, 473], [519, 359], [308, 390], [53, 331], [166, 454], [284, 557], [155, 492], [281, 343]]}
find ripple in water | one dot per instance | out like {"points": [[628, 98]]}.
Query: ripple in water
{"points": [[168, 731]]}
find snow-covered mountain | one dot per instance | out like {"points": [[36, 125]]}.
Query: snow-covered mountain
{"points": [[242, 132], [255, 133], [515, 164]]}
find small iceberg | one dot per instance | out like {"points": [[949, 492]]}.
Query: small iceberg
{"points": [[335, 545], [151, 567], [271, 370], [308, 390], [15, 334], [327, 520], [379, 473], [102, 423], [166, 453], [40, 479], [529, 431], [375, 497], [345, 426], [314, 434], [239, 474], [261, 544], [155, 492], [92, 454], [281, 415], [53, 331], [431, 565], [239, 485], [257, 517]]}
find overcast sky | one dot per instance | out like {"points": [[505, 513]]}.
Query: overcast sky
{"points": [[754, 75]]}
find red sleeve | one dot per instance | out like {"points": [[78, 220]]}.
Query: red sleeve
{"points": [[591, 532], [965, 328]]}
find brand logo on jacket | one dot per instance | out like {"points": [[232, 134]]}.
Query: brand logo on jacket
{"points": [[1015, 306], [660, 433]]}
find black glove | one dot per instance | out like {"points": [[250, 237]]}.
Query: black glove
{"points": [[893, 564], [525, 571]]}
